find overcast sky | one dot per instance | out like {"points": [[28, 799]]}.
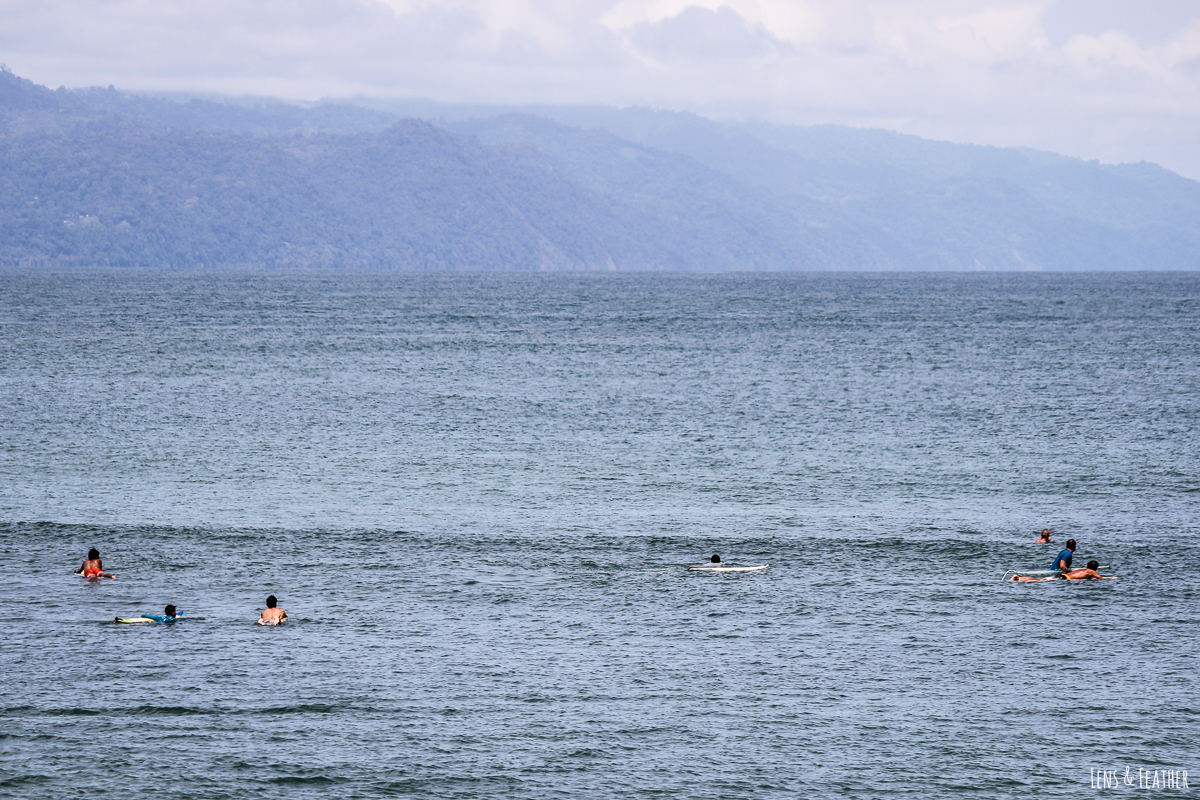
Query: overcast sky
{"points": [[1117, 80]]}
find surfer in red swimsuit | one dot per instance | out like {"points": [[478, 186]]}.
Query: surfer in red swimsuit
{"points": [[92, 568]]}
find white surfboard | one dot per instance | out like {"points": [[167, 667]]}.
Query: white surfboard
{"points": [[1038, 573], [723, 568]]}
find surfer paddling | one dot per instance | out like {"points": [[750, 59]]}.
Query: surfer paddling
{"points": [[1088, 573], [92, 568], [272, 615], [716, 565], [169, 615]]}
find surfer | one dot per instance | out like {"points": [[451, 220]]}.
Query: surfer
{"points": [[1088, 573], [716, 559], [1045, 537], [1063, 560], [272, 615], [92, 568], [169, 615]]}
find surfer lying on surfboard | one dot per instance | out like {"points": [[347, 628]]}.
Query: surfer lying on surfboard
{"points": [[272, 615], [715, 564], [92, 568], [1087, 574], [169, 615]]}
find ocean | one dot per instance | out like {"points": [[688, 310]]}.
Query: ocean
{"points": [[478, 496]]}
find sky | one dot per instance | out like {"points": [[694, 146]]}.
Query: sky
{"points": [[1113, 80]]}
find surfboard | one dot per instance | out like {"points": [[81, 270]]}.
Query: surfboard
{"points": [[728, 569], [1037, 573], [1034, 573]]}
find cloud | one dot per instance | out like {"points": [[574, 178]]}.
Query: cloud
{"points": [[700, 34], [1149, 22], [1094, 78]]}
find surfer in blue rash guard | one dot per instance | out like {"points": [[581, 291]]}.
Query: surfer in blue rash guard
{"points": [[169, 615], [1062, 561]]}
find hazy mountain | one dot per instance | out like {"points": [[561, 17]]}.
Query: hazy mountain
{"points": [[26, 107], [932, 205], [98, 176]]}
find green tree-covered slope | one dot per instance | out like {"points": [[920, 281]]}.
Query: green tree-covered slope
{"points": [[99, 177]]}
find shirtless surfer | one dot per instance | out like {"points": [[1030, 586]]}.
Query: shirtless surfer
{"points": [[1089, 573], [92, 568], [272, 615], [1045, 537]]}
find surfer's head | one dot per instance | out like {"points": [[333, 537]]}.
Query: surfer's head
{"points": [[1093, 565], [271, 601], [170, 611], [716, 559], [93, 554], [1071, 545]]}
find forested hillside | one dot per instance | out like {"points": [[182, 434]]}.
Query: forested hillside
{"points": [[100, 177], [917, 204]]}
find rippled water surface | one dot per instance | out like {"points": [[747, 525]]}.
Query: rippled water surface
{"points": [[477, 497]]}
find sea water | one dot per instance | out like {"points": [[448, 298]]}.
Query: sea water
{"points": [[477, 497]]}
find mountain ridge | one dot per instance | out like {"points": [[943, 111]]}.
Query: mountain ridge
{"points": [[101, 177]]}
